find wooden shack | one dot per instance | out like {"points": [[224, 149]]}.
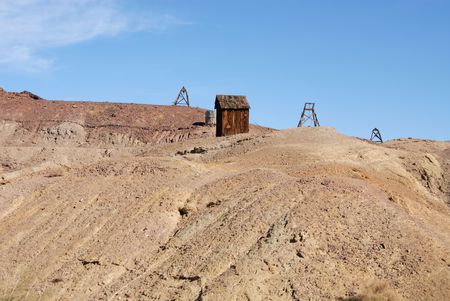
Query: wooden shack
{"points": [[232, 115]]}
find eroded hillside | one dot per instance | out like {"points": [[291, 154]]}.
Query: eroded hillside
{"points": [[26, 119], [291, 215]]}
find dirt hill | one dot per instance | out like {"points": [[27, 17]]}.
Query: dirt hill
{"points": [[291, 215], [26, 119]]}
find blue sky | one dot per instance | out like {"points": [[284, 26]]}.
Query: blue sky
{"points": [[366, 63]]}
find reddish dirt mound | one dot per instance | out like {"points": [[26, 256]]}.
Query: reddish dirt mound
{"points": [[26, 118]]}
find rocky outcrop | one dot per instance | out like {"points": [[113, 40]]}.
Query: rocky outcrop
{"points": [[29, 94]]}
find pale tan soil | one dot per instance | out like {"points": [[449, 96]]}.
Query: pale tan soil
{"points": [[158, 214], [302, 214]]}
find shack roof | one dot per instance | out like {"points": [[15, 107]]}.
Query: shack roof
{"points": [[233, 102]]}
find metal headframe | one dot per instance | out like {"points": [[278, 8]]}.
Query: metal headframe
{"points": [[309, 114], [376, 136], [182, 98]]}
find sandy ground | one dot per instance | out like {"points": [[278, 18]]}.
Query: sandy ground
{"points": [[301, 214]]}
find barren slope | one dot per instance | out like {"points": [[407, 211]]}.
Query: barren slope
{"points": [[291, 215], [26, 120]]}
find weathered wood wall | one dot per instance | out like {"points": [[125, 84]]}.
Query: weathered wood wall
{"points": [[232, 122]]}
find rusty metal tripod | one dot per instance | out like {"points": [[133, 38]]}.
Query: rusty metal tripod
{"points": [[182, 98], [309, 113], [376, 136]]}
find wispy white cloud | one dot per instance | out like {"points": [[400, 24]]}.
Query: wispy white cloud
{"points": [[29, 26]]}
